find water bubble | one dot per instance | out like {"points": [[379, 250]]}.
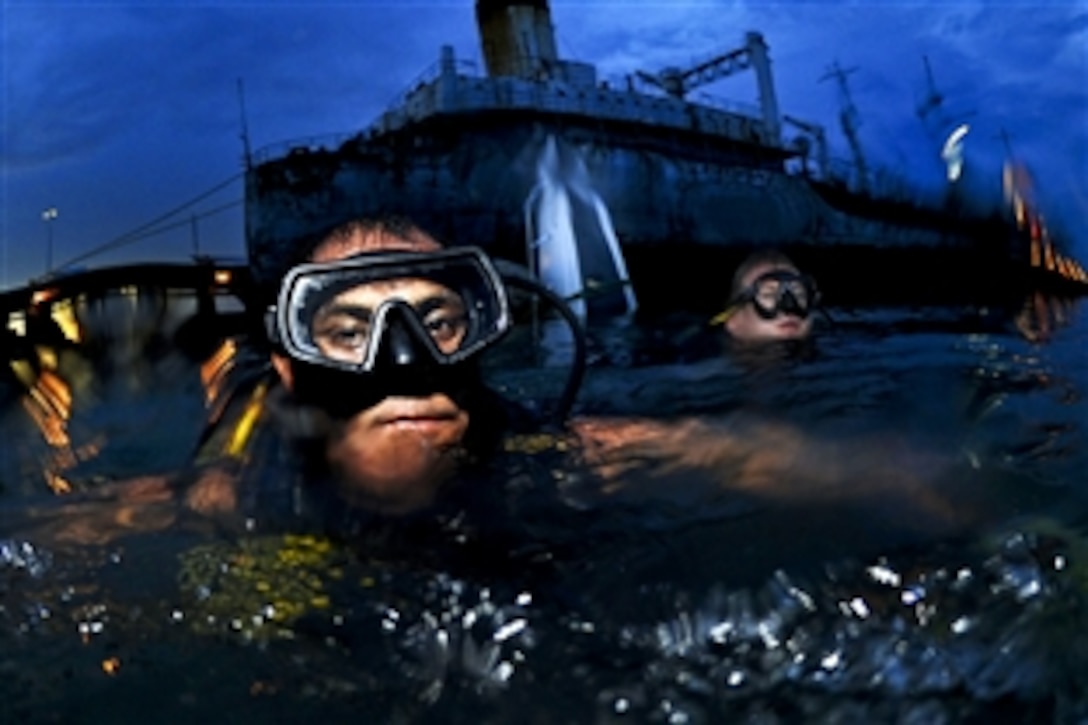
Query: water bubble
{"points": [[912, 595], [504, 671], [23, 555], [960, 625], [858, 606], [883, 574], [831, 660], [509, 630]]}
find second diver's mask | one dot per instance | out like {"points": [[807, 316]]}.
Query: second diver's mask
{"points": [[781, 292], [390, 309]]}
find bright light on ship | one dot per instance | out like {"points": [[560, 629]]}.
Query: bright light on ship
{"points": [[952, 152], [42, 296]]}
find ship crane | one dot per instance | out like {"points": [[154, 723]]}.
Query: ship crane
{"points": [[848, 118], [678, 82]]}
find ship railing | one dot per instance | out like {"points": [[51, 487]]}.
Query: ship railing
{"points": [[479, 93], [428, 76], [729, 106], [885, 184], [304, 143], [424, 98]]}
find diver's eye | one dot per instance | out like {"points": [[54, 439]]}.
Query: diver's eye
{"points": [[447, 329], [343, 337], [349, 337], [767, 293]]}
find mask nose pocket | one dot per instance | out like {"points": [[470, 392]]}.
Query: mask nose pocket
{"points": [[400, 339], [789, 305]]}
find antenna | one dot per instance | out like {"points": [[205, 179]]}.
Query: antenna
{"points": [[248, 159], [848, 118], [933, 97]]}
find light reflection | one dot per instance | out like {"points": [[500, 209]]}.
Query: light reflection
{"points": [[73, 350], [1020, 196], [63, 314], [1041, 315], [214, 370], [48, 403]]}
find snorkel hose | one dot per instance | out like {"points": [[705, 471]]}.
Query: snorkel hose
{"points": [[516, 275]]}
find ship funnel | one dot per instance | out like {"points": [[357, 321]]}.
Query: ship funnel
{"points": [[517, 37]]}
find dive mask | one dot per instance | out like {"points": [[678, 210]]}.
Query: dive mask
{"points": [[781, 292], [399, 308]]}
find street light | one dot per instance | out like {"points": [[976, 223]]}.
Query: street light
{"points": [[48, 216]]}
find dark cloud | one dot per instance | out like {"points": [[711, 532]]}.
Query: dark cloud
{"points": [[79, 77]]}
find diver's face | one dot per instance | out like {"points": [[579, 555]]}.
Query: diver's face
{"points": [[394, 455], [747, 324], [342, 327]]}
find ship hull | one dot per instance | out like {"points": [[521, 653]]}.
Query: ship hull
{"points": [[683, 206]]}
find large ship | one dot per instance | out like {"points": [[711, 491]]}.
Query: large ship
{"points": [[650, 187]]}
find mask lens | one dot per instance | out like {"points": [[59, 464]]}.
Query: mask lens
{"points": [[799, 290], [766, 293], [342, 328]]}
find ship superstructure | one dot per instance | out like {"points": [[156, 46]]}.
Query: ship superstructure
{"points": [[688, 186]]}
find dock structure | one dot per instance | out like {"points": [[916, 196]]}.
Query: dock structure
{"points": [[51, 308]]}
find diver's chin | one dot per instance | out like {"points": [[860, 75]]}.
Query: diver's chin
{"points": [[791, 328], [395, 492], [396, 464]]}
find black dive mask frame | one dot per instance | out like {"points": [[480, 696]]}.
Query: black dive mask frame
{"points": [[407, 364], [786, 302], [398, 335]]}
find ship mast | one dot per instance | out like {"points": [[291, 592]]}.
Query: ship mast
{"points": [[848, 118]]}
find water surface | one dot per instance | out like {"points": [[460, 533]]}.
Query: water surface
{"points": [[939, 575]]}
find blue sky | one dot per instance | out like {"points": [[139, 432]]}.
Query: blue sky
{"points": [[116, 113]]}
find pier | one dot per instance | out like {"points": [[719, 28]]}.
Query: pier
{"points": [[47, 307]]}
